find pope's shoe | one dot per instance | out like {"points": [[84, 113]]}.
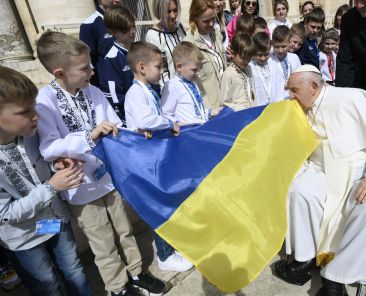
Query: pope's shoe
{"points": [[295, 272], [331, 288]]}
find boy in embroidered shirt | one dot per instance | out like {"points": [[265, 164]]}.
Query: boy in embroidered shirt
{"points": [[115, 75], [27, 198], [144, 114], [286, 62], [95, 35], [74, 116], [268, 85], [181, 98], [142, 102], [309, 51], [327, 55], [237, 91]]}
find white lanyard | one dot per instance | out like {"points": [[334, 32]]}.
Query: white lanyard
{"points": [[82, 117], [266, 85], [199, 106], [148, 92], [215, 53], [27, 162]]}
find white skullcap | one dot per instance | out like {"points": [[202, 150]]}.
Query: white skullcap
{"points": [[307, 68]]}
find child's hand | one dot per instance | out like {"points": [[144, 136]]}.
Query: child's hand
{"points": [[66, 162], [103, 129], [148, 134], [215, 111], [176, 129], [67, 178]]}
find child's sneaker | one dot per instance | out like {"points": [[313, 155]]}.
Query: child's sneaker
{"points": [[9, 280], [176, 263], [152, 285]]}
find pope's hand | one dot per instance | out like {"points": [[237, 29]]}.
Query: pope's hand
{"points": [[361, 192]]}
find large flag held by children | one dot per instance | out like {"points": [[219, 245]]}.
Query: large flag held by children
{"points": [[216, 193]]}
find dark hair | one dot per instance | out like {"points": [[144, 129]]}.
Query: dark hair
{"points": [[340, 11], [329, 34], [245, 24], [243, 45], [242, 6], [307, 3], [15, 87], [141, 51], [316, 16], [260, 22], [118, 19], [281, 34], [262, 42], [298, 30]]}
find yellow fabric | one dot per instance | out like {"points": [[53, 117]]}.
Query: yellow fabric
{"points": [[235, 221]]}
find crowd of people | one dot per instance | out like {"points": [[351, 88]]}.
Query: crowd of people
{"points": [[177, 76]]}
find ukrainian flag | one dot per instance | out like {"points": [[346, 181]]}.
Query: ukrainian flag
{"points": [[217, 193]]}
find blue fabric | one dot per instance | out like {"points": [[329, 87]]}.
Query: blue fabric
{"points": [[284, 65], [156, 96], [156, 176], [196, 93], [163, 249], [35, 267]]}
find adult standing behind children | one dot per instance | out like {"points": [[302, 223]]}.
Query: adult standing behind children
{"points": [[74, 116], [202, 33], [95, 35], [167, 33], [280, 11], [33, 244], [351, 62], [115, 75]]}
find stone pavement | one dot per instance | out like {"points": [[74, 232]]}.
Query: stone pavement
{"points": [[191, 283]]}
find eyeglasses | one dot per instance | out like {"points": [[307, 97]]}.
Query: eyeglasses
{"points": [[252, 3]]}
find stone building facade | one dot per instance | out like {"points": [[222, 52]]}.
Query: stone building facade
{"points": [[24, 20]]}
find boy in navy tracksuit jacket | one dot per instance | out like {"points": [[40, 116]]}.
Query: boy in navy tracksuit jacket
{"points": [[95, 35], [309, 52], [115, 75]]}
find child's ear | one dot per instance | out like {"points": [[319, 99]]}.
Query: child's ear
{"points": [[59, 73], [141, 67], [178, 66]]}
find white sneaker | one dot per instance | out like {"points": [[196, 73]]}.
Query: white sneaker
{"points": [[175, 263]]}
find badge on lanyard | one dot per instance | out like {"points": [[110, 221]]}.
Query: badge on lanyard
{"points": [[100, 172], [49, 226]]}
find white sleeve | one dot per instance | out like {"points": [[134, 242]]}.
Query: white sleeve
{"points": [[20, 210], [152, 36], [139, 111], [169, 101], [108, 112], [53, 145]]}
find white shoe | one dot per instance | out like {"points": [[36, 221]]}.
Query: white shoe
{"points": [[175, 263]]}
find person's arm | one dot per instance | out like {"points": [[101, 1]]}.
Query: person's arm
{"points": [[137, 107], [346, 64], [169, 101], [14, 211]]}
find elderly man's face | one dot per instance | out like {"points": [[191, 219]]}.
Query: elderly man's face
{"points": [[302, 90]]}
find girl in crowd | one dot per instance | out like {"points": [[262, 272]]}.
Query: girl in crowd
{"points": [[250, 7], [167, 33], [202, 33], [280, 11], [234, 10], [327, 56], [338, 17], [220, 20], [306, 8]]}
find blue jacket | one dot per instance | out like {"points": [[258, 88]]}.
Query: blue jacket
{"points": [[115, 77], [95, 35], [309, 52]]}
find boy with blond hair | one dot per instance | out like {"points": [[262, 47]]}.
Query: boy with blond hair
{"points": [[74, 116], [115, 75], [237, 86], [34, 221], [144, 115], [181, 98]]}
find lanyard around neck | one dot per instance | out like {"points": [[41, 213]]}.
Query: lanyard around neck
{"points": [[151, 93]]}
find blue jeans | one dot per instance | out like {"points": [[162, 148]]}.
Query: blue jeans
{"points": [[35, 266], [164, 250]]}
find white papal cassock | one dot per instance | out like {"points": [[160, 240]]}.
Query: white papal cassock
{"points": [[324, 219]]}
